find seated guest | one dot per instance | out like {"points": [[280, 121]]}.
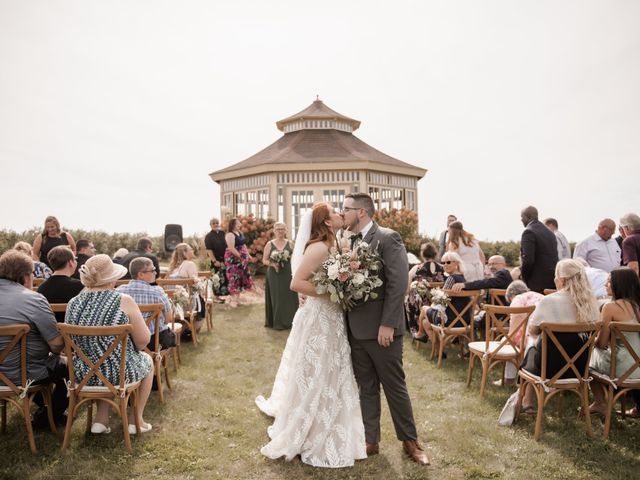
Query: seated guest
{"points": [[40, 269], [99, 305], [430, 271], [182, 266], [597, 279], [624, 288], [518, 295], [143, 273], [85, 250], [52, 236], [454, 270], [119, 255], [59, 287], [143, 249], [20, 305], [501, 277], [572, 303]]}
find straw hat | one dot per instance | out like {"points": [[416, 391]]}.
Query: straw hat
{"points": [[100, 270]]}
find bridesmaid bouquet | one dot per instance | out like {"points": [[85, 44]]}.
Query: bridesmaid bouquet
{"points": [[280, 257], [350, 277]]}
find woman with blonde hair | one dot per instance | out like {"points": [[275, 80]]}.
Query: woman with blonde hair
{"points": [[40, 270], [281, 303], [51, 236], [182, 266], [573, 302], [466, 245]]}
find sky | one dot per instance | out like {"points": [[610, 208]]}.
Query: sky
{"points": [[112, 114]]}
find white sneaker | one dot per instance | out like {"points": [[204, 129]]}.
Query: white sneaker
{"points": [[144, 428], [98, 428]]}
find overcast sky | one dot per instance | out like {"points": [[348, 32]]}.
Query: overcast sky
{"points": [[113, 113]]}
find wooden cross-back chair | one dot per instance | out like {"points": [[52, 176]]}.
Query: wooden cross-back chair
{"points": [[497, 296], [500, 346], [190, 315], [459, 327], [158, 354], [37, 282], [546, 386], [618, 385], [80, 393], [208, 299], [549, 291], [122, 281], [21, 395]]}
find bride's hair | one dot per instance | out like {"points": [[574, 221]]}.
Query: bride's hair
{"points": [[319, 231]]}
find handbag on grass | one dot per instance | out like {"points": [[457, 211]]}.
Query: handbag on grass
{"points": [[508, 414]]}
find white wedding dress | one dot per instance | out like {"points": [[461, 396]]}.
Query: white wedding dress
{"points": [[315, 397]]}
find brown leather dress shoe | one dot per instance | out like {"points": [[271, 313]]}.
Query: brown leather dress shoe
{"points": [[415, 451], [372, 449]]}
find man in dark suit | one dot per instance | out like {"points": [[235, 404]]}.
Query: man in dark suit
{"points": [[501, 277], [376, 330], [143, 249], [538, 252]]}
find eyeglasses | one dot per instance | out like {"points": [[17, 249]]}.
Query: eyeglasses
{"points": [[447, 262], [148, 271], [345, 209]]}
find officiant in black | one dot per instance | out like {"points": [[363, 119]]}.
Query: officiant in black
{"points": [[216, 245]]}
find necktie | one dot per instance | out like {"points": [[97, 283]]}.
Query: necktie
{"points": [[355, 238]]}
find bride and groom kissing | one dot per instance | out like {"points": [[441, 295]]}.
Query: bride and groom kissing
{"points": [[326, 394]]}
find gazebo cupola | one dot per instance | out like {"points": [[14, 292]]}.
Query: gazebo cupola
{"points": [[317, 116]]}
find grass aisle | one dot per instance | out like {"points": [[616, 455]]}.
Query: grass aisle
{"points": [[210, 428]]}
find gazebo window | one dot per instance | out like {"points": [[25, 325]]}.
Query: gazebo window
{"points": [[411, 199], [241, 206], [301, 201], [335, 197], [263, 203], [281, 204]]}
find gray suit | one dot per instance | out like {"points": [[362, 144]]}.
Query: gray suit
{"points": [[372, 364]]}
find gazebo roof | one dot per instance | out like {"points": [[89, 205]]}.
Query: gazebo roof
{"points": [[316, 146], [318, 111]]}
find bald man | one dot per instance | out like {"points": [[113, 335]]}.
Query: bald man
{"points": [[600, 250]]}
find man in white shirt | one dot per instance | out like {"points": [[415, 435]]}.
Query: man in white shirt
{"points": [[564, 250], [597, 279], [600, 250]]}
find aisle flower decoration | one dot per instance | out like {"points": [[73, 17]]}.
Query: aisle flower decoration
{"points": [[350, 277], [439, 300]]}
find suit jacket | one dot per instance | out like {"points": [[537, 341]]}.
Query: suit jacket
{"points": [[126, 260], [365, 318], [442, 244], [539, 252], [501, 279]]}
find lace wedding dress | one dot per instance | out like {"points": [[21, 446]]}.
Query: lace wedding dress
{"points": [[315, 397]]}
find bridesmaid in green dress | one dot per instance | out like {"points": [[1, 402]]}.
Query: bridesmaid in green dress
{"points": [[281, 303]]}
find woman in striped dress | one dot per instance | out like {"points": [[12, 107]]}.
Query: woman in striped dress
{"points": [[99, 305]]}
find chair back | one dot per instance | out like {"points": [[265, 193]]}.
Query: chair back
{"points": [[17, 335], [122, 281], [58, 307], [459, 320], [497, 297], [619, 333], [119, 334], [155, 309], [497, 325], [204, 274], [576, 364], [549, 291], [38, 281]]}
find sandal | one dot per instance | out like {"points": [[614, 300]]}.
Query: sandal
{"points": [[529, 410]]}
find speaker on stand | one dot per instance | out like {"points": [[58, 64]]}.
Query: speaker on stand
{"points": [[172, 236]]}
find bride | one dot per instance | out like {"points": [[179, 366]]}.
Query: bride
{"points": [[315, 398]]}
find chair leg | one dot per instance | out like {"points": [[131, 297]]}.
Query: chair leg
{"points": [[26, 402], [90, 416], [71, 411], [610, 406], [124, 417], [585, 406], [46, 393], [472, 361], [165, 365], [440, 351], [485, 374], [521, 389], [158, 374], [3, 424], [540, 398]]}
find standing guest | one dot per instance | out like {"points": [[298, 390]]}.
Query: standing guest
{"points": [[143, 273], [86, 250], [143, 249], [624, 288], [564, 249], [216, 245], [52, 236], [182, 266], [630, 224], [465, 245], [600, 250], [236, 260], [19, 304], [572, 303], [40, 270], [538, 252], [99, 305], [60, 287], [518, 295], [444, 240], [119, 255], [281, 303]]}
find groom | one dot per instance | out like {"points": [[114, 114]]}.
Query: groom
{"points": [[376, 331]]}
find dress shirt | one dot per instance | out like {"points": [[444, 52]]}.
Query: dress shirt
{"points": [[599, 253], [564, 250], [143, 293], [366, 229], [598, 281]]}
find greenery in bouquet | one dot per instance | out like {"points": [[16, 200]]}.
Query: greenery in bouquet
{"points": [[418, 292], [280, 257], [181, 297], [350, 277], [438, 297], [200, 287]]}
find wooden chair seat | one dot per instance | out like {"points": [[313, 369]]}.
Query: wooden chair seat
{"points": [[117, 396], [21, 396], [494, 348], [545, 386]]}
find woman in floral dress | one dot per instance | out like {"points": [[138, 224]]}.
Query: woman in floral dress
{"points": [[236, 260]]}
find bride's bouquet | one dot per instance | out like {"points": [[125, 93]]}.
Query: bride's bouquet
{"points": [[280, 257], [350, 276]]}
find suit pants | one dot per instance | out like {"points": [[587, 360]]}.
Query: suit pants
{"points": [[374, 365]]}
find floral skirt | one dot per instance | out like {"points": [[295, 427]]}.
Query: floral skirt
{"points": [[238, 276]]}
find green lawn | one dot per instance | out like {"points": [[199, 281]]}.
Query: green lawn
{"points": [[210, 428]]}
